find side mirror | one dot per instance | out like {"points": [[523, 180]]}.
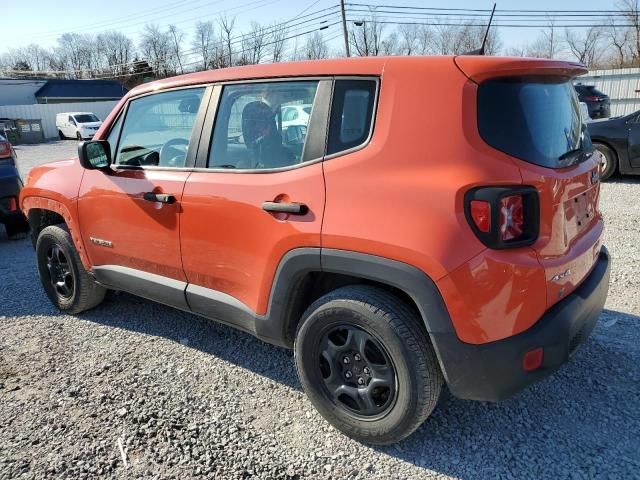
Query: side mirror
{"points": [[95, 154]]}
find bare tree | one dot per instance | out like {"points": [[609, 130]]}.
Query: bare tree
{"points": [[631, 11], [315, 47], [177, 37], [548, 44], [155, 46], [408, 38], [389, 44], [366, 37], [253, 45], [278, 40], [585, 44], [425, 40], [116, 51], [203, 40], [227, 26]]}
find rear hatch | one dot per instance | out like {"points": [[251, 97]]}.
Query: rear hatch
{"points": [[529, 110]]}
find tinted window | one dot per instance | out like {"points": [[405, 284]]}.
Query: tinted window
{"points": [[157, 128], [249, 131], [86, 118], [351, 114], [534, 119], [114, 133]]}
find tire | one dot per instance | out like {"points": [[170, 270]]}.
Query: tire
{"points": [[79, 137], [17, 227], [395, 341], [609, 162], [56, 255], [61, 135]]}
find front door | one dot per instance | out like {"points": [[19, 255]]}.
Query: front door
{"points": [[261, 195], [130, 214], [633, 126]]}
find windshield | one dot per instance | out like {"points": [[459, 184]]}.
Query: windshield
{"points": [[86, 118], [536, 119]]}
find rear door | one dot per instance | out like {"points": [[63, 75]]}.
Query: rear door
{"points": [[130, 215], [633, 129], [538, 123], [259, 192]]}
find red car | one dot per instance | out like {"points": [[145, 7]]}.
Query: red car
{"points": [[398, 241]]}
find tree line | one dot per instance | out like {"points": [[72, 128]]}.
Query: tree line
{"points": [[167, 51]]}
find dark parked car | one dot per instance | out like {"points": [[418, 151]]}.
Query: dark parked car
{"points": [[10, 186], [597, 102], [618, 140]]}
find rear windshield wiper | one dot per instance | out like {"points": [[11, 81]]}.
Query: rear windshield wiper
{"points": [[573, 157]]}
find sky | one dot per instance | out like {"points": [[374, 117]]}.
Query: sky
{"points": [[42, 21]]}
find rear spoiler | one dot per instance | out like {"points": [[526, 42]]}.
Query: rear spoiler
{"points": [[479, 69]]}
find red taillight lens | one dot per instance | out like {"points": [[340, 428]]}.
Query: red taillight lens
{"points": [[532, 360], [5, 149], [13, 205], [481, 214], [592, 98], [503, 216], [511, 217]]}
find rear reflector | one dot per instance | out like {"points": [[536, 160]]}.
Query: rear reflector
{"points": [[481, 214], [13, 206], [511, 217], [533, 359], [5, 149]]}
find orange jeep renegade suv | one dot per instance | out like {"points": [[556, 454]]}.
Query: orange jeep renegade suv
{"points": [[396, 240]]}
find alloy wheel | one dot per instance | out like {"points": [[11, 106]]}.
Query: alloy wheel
{"points": [[60, 272], [357, 371]]}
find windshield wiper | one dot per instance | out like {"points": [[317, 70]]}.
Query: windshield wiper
{"points": [[575, 156]]}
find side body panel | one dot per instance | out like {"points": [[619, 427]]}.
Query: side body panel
{"points": [[141, 234]]}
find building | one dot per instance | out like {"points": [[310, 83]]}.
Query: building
{"points": [[32, 91]]}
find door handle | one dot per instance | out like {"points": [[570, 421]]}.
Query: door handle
{"points": [[159, 197], [285, 207]]}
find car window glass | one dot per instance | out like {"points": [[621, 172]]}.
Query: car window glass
{"points": [[86, 118], [71, 120], [251, 131], [112, 138], [351, 114], [157, 129]]}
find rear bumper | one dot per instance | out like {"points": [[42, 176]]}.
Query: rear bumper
{"points": [[10, 186], [493, 371]]}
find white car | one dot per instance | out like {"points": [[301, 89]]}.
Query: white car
{"points": [[80, 125], [297, 115]]}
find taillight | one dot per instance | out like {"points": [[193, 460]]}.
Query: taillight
{"points": [[511, 217], [5, 149], [592, 98], [13, 205], [503, 217], [481, 214]]}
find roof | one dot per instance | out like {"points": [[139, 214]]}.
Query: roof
{"points": [[471, 65], [81, 89]]}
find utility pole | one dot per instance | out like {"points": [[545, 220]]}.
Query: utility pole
{"points": [[344, 29]]}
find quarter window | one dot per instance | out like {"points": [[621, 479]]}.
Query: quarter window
{"points": [[157, 129], [250, 130], [351, 114]]}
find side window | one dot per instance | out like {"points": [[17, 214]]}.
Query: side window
{"points": [[249, 132], [351, 114], [112, 138], [71, 120], [157, 128]]}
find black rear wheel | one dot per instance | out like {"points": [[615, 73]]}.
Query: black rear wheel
{"points": [[366, 363], [61, 135]]}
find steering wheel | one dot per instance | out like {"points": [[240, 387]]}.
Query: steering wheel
{"points": [[173, 153]]}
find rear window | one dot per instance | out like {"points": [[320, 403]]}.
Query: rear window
{"points": [[534, 119]]}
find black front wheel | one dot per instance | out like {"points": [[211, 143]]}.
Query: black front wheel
{"points": [[63, 277], [366, 363]]}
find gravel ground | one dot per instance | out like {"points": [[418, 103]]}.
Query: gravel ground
{"points": [[186, 398]]}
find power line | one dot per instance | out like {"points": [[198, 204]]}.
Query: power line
{"points": [[601, 12], [236, 40]]}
